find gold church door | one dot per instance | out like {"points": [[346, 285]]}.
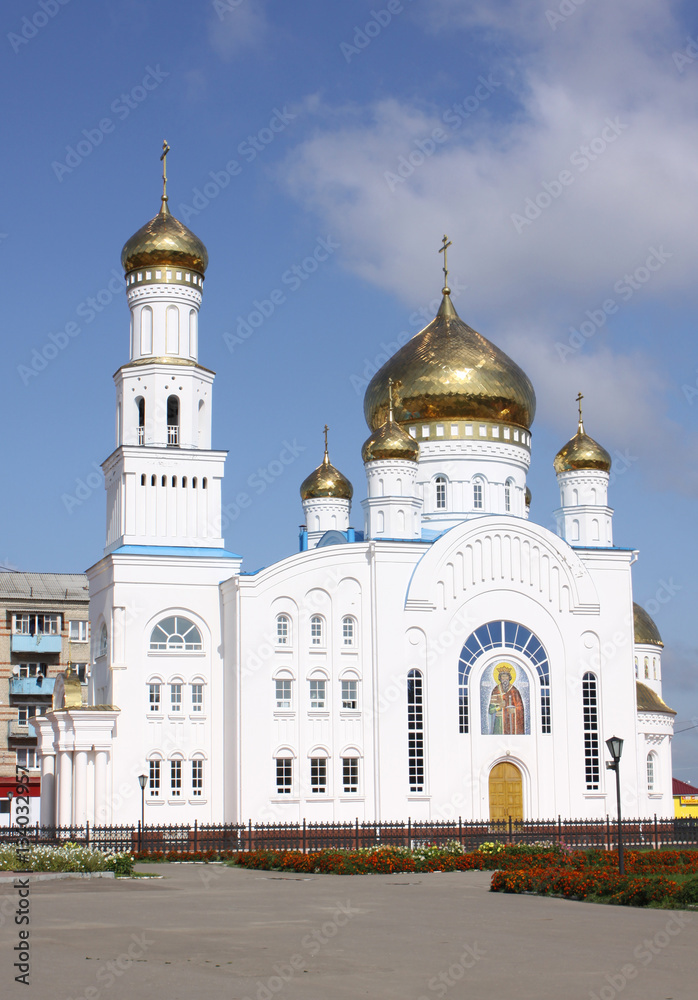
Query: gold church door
{"points": [[506, 792]]}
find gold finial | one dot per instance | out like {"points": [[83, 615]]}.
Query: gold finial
{"points": [[444, 249], [390, 400], [326, 457], [579, 404], [163, 157]]}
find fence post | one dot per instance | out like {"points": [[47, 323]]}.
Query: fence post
{"points": [[409, 832], [608, 833], [249, 835], [656, 841], [356, 833], [305, 839], [509, 829], [140, 833], [196, 835], [87, 833], [460, 831]]}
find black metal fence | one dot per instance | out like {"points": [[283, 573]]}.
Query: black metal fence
{"points": [[583, 833]]}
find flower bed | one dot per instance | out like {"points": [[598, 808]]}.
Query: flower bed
{"points": [[68, 857], [210, 855]]}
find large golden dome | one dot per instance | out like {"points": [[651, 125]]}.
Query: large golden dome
{"points": [[164, 240], [582, 452], [449, 371], [326, 481], [646, 632]]}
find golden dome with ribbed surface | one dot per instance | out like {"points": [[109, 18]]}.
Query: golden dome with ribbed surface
{"points": [[646, 632], [326, 481], [164, 240], [390, 442], [448, 371], [582, 452]]}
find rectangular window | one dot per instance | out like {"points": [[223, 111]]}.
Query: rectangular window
{"points": [[79, 631], [28, 624], [348, 631], [175, 697], [415, 730], [591, 733], [350, 775], [477, 495], [28, 759], [32, 670], [81, 670], [350, 694], [318, 775], [175, 778], [197, 777], [650, 773], [283, 694], [27, 712], [316, 631], [284, 775], [197, 697], [154, 778], [318, 694], [154, 697]]}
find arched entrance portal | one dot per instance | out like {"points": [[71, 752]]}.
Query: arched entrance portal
{"points": [[506, 792]]}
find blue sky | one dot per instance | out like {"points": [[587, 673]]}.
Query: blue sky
{"points": [[554, 143]]}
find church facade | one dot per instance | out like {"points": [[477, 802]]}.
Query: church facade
{"points": [[448, 658]]}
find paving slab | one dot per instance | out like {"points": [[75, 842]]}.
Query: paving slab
{"points": [[208, 931]]}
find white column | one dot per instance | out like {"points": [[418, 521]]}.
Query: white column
{"points": [[65, 787], [101, 816], [48, 790], [80, 794]]}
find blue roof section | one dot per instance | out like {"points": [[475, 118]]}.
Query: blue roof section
{"points": [[600, 548], [174, 550]]}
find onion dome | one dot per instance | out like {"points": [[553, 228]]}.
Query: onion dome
{"points": [[449, 371], [649, 701], [326, 481], [646, 632], [389, 441], [582, 452], [164, 240]]}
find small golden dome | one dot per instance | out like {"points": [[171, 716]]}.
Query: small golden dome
{"points": [[449, 371], [390, 442], [646, 632], [649, 701], [582, 452], [164, 240], [326, 481]]}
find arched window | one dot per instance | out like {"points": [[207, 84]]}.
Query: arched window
{"points": [[204, 483], [348, 631], [194, 483], [415, 730], [202, 422], [174, 480], [163, 481], [197, 775], [173, 420], [651, 771], [143, 480], [647, 667], [103, 641], [140, 402], [153, 480], [590, 702], [440, 485], [504, 635], [154, 777], [507, 496], [184, 482], [146, 330], [478, 494], [172, 330], [317, 631], [176, 634], [192, 333], [283, 630], [637, 667]]}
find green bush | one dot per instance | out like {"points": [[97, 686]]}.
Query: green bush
{"points": [[688, 892]]}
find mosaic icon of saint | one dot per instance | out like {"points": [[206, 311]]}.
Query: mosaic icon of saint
{"points": [[506, 710]]}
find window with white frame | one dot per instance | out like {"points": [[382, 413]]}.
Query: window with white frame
{"points": [[592, 767], [81, 669], [350, 775], [318, 775], [176, 634], [350, 694], [79, 631], [36, 624], [32, 669], [440, 486], [197, 777], [651, 772], [27, 712], [28, 759], [507, 496], [154, 696], [176, 778], [348, 631], [283, 630], [478, 498], [284, 775], [283, 692], [318, 694], [317, 631], [197, 697], [103, 642], [154, 776], [415, 730], [176, 697]]}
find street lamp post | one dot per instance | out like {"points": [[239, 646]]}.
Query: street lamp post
{"points": [[615, 748], [142, 781]]}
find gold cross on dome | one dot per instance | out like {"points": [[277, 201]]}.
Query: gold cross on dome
{"points": [[444, 250], [163, 157], [326, 452], [579, 404], [390, 399]]}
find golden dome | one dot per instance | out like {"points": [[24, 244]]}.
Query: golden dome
{"points": [[448, 371], [582, 452], [649, 701], [326, 481], [390, 442], [646, 632], [164, 240]]}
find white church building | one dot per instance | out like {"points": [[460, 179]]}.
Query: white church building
{"points": [[449, 657]]}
